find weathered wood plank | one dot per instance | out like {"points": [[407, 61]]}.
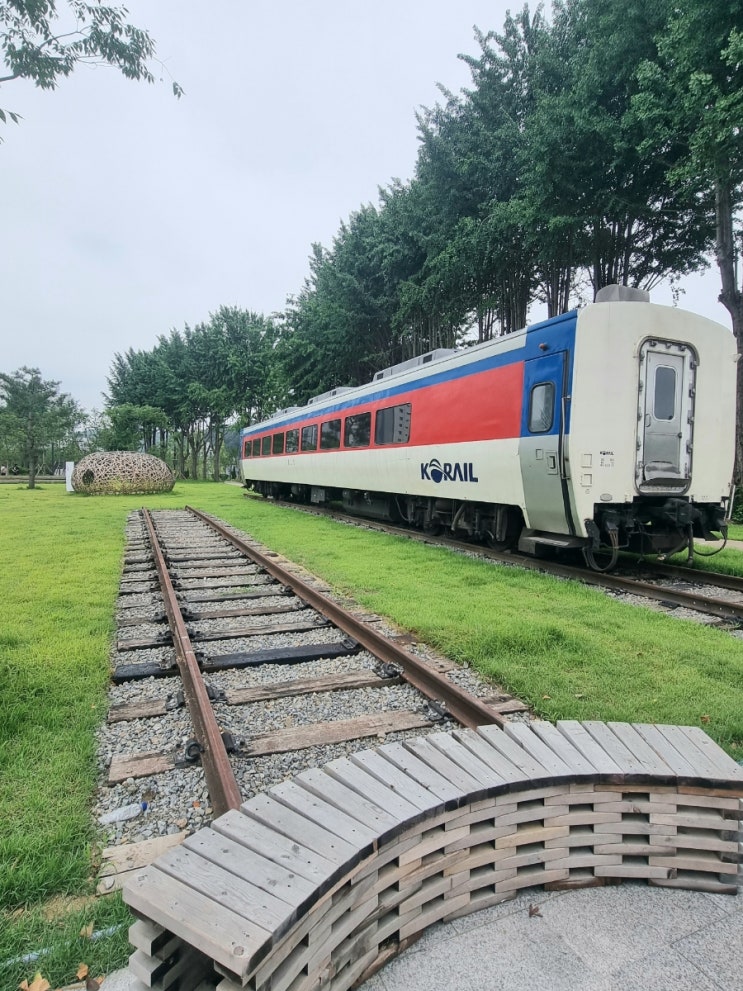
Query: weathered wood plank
{"points": [[236, 943], [419, 771], [320, 807], [320, 734], [126, 711], [466, 759], [541, 751], [514, 752], [298, 828], [291, 854], [351, 680], [393, 777], [440, 763], [139, 766], [581, 739]]}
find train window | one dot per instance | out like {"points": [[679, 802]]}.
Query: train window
{"points": [[542, 407], [309, 438], [256, 448], [292, 441], [664, 397], [266, 444], [392, 425], [357, 430], [330, 435], [247, 448], [277, 444]]}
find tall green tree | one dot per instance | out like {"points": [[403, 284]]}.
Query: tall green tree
{"points": [[34, 414], [691, 106]]}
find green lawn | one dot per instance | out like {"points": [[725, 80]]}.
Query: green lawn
{"points": [[567, 650]]}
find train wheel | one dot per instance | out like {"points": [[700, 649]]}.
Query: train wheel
{"points": [[514, 524]]}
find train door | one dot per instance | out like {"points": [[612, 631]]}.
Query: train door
{"points": [[543, 448], [665, 421]]}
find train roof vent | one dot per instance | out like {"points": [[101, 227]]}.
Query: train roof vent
{"points": [[287, 409], [329, 395], [405, 366], [622, 294]]}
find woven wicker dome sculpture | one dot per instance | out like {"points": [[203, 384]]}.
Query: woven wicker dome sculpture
{"points": [[121, 472]]}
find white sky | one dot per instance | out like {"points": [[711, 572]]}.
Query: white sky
{"points": [[126, 212]]}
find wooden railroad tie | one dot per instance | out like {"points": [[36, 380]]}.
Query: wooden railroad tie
{"points": [[317, 882]]}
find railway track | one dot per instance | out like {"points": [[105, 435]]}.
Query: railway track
{"points": [[233, 671], [669, 586]]}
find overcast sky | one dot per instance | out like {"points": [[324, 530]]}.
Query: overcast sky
{"points": [[126, 212]]}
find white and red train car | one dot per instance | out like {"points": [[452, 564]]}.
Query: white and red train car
{"points": [[605, 428]]}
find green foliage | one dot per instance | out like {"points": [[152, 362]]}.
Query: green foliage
{"points": [[34, 415], [43, 43]]}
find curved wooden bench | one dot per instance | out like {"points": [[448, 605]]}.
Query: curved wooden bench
{"points": [[317, 882]]}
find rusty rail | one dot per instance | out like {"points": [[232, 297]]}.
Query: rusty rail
{"points": [[220, 779], [461, 705]]}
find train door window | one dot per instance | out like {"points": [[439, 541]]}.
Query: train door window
{"points": [[392, 425], [309, 437], [542, 407], [357, 430], [277, 444], [266, 444], [664, 395], [330, 435], [247, 448], [256, 448], [292, 441]]}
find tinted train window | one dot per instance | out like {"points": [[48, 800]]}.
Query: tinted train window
{"points": [[247, 448], [330, 435], [256, 448], [664, 397], [392, 425], [542, 407], [266, 444], [357, 431], [309, 438], [292, 441], [278, 444]]}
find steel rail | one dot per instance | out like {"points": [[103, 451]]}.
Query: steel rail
{"points": [[224, 792], [467, 709]]}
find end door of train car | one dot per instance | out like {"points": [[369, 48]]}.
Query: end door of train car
{"points": [[665, 417]]}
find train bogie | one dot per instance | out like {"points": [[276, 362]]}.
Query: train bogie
{"points": [[606, 428]]}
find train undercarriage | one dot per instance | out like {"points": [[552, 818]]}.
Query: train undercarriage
{"points": [[660, 526]]}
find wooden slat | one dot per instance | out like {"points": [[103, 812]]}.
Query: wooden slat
{"points": [[298, 828], [291, 854], [543, 752], [610, 743], [562, 745], [224, 888], [236, 943], [360, 808], [323, 811], [650, 762], [463, 781], [374, 763], [286, 884], [351, 680], [582, 740], [419, 771], [139, 766], [489, 755], [484, 773], [137, 710], [725, 766], [338, 731], [512, 751], [665, 749], [392, 800]]}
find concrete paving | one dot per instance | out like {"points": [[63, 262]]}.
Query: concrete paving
{"points": [[629, 937]]}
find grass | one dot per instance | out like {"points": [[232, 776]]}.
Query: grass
{"points": [[568, 650]]}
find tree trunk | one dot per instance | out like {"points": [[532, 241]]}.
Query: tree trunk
{"points": [[731, 298]]}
